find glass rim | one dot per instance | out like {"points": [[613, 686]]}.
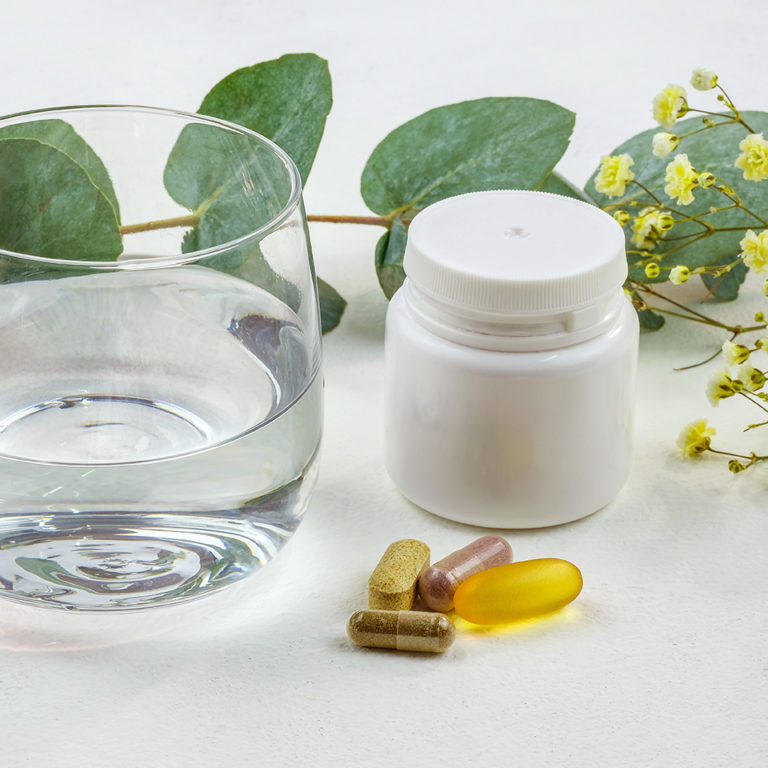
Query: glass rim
{"points": [[165, 260]]}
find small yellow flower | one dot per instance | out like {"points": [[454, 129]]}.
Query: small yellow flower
{"points": [[681, 179], [664, 143], [736, 466], [765, 287], [614, 175], [679, 274], [669, 105], [649, 227], [752, 378], [703, 79], [721, 386], [735, 354], [695, 438], [706, 180], [622, 217], [753, 159], [666, 221], [652, 270], [754, 251]]}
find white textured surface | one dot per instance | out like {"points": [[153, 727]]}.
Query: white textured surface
{"points": [[661, 662]]}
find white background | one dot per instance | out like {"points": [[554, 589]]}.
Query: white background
{"points": [[662, 660]]}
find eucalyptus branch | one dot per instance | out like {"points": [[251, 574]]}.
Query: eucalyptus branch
{"points": [[190, 220], [379, 221]]}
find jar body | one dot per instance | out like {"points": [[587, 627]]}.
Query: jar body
{"points": [[503, 438]]}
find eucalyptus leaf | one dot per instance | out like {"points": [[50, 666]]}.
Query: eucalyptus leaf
{"points": [[332, 305], [650, 320], [51, 205], [713, 150], [286, 100], [559, 185], [61, 135], [235, 187], [493, 143], [390, 250]]}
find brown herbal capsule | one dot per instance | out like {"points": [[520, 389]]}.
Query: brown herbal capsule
{"points": [[422, 631], [392, 584], [439, 582]]}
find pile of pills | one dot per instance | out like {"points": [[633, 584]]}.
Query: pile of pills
{"points": [[480, 582]]}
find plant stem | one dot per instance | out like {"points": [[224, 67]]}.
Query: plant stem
{"points": [[729, 103], [192, 220], [698, 317], [753, 401], [179, 221], [664, 205], [751, 458], [643, 287], [709, 359], [729, 121], [672, 313], [379, 221]]}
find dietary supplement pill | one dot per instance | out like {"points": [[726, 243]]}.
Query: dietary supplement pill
{"points": [[439, 582], [517, 591], [401, 630], [392, 584]]}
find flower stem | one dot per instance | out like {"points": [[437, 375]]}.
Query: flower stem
{"points": [[693, 315], [379, 221], [753, 401], [751, 458], [729, 103], [190, 220]]}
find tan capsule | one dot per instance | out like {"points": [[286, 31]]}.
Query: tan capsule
{"points": [[421, 631], [392, 585], [439, 582]]}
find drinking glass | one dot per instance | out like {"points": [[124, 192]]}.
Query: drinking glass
{"points": [[161, 401]]}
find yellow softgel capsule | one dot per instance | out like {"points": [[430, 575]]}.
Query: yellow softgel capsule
{"points": [[518, 591]]}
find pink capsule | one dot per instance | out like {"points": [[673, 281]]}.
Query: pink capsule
{"points": [[439, 582]]}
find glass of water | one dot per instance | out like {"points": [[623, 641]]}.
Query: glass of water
{"points": [[161, 401]]}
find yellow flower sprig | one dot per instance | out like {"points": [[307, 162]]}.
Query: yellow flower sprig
{"points": [[651, 218], [695, 439]]}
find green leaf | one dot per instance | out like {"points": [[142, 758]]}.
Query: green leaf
{"points": [[493, 143], [286, 100], [727, 286], [713, 150], [390, 250], [650, 320], [332, 305], [559, 185], [235, 187], [61, 135], [51, 206]]}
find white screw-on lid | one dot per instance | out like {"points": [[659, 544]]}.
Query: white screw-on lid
{"points": [[509, 252]]}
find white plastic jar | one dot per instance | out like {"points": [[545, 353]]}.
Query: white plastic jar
{"points": [[511, 356]]}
